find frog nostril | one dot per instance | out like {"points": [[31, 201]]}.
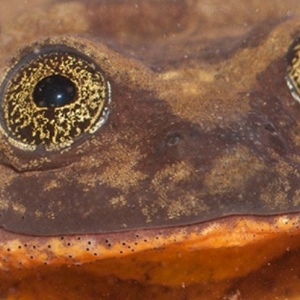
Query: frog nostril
{"points": [[271, 128], [173, 139]]}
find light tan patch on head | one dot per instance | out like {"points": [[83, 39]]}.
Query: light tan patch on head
{"points": [[186, 202], [54, 206], [172, 173], [120, 171], [88, 181], [118, 201], [296, 139], [232, 170], [276, 192], [4, 204], [296, 198], [7, 175], [185, 205], [177, 172], [19, 208], [51, 184]]}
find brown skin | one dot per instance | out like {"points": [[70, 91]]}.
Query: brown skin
{"points": [[191, 186]]}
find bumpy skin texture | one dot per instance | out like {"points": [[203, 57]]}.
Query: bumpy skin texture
{"points": [[198, 158]]}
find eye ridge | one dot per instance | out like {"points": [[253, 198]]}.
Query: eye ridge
{"points": [[52, 96]]}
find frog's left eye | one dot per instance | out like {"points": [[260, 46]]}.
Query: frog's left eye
{"points": [[293, 69], [52, 96]]}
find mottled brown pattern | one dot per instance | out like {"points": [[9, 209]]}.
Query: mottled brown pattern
{"points": [[190, 186]]}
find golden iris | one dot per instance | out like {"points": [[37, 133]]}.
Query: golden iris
{"points": [[52, 96], [293, 69]]}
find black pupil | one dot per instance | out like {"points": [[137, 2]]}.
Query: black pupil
{"points": [[54, 90]]}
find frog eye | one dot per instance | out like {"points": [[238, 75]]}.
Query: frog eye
{"points": [[51, 96], [293, 69]]}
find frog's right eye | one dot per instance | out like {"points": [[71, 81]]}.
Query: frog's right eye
{"points": [[51, 96], [293, 69]]}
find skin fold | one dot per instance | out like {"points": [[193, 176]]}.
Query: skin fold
{"points": [[188, 187]]}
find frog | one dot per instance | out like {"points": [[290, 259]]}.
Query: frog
{"points": [[166, 164]]}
